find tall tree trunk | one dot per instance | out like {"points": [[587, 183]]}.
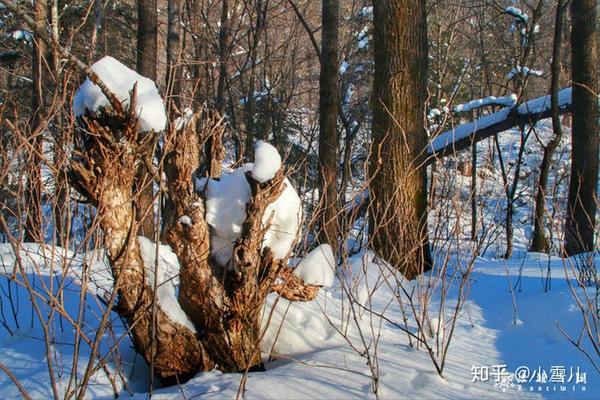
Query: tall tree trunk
{"points": [[539, 241], [223, 55], [398, 186], [61, 188], [474, 192], [33, 223], [95, 29], [581, 214], [328, 111], [147, 42], [174, 51]]}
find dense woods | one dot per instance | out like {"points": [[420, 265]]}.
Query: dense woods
{"points": [[189, 164]]}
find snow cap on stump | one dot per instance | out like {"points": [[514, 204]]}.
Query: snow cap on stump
{"points": [[149, 107]]}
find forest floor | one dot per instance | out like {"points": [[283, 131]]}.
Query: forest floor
{"points": [[327, 349]]}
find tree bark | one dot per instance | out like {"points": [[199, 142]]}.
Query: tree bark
{"points": [[539, 241], [106, 176], [398, 213], [328, 135], [33, 223], [174, 51], [147, 45], [581, 213], [223, 55]]}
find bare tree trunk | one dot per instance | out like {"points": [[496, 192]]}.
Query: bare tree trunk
{"points": [[539, 241], [95, 29], [398, 213], [147, 42], [33, 223], [328, 135], [474, 192], [223, 55], [260, 8], [174, 51], [581, 215]]}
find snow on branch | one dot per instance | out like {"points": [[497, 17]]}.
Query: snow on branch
{"points": [[463, 136], [524, 71], [505, 101], [517, 13]]}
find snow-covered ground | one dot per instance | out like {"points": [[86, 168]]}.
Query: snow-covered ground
{"points": [[332, 347]]}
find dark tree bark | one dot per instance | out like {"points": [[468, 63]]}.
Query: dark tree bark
{"points": [[539, 241], [147, 42], [328, 136], [98, 16], [174, 51], [260, 9], [581, 214], [398, 213], [474, 192], [223, 55], [33, 223], [147, 39]]}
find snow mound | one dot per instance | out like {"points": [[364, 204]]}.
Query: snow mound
{"points": [[267, 161], [225, 201], [295, 327], [149, 108], [167, 272], [318, 267]]}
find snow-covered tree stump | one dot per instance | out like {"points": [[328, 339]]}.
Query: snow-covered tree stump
{"points": [[216, 318]]}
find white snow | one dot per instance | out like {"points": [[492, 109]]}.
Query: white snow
{"points": [[434, 112], [517, 13], [267, 161], [343, 67], [185, 220], [535, 106], [464, 130], [22, 34], [149, 106], [317, 267], [363, 37], [184, 120], [508, 101], [167, 270], [542, 103], [524, 71], [226, 200], [319, 349]]}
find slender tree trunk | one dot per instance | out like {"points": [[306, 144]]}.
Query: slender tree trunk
{"points": [[147, 42], [539, 241], [328, 135], [398, 214], [581, 214], [33, 223], [223, 55], [260, 10], [174, 51], [474, 192], [95, 29], [61, 188]]}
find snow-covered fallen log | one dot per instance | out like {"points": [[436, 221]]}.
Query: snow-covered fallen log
{"points": [[463, 136]]}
